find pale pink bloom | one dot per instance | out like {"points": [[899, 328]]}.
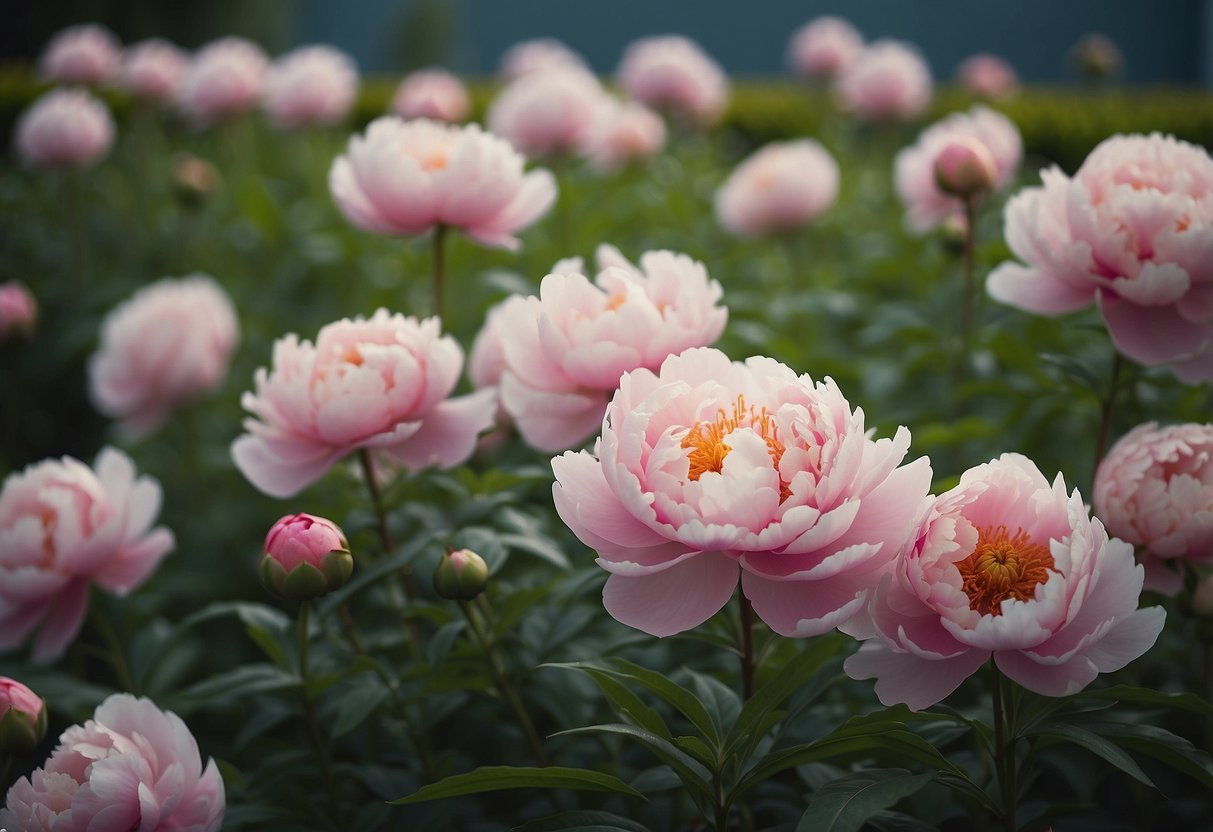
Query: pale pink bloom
{"points": [[132, 766], [824, 47], [549, 113], [152, 69], [566, 349], [625, 131], [85, 54], [780, 187], [431, 93], [988, 76], [407, 177], [1131, 231], [64, 526], [538, 55], [168, 345], [710, 466], [486, 361], [65, 128], [1154, 489], [381, 383], [673, 74], [889, 81], [311, 85], [1004, 565], [223, 79], [18, 310], [914, 167]]}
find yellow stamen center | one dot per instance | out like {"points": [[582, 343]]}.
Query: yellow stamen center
{"points": [[1003, 566], [433, 160], [705, 440]]}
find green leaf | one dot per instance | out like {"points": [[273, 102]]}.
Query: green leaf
{"points": [[844, 805], [1160, 744], [541, 547], [691, 772], [582, 822], [1144, 696], [240, 682], [627, 704], [443, 640], [497, 778], [1097, 745], [361, 694], [722, 703]]}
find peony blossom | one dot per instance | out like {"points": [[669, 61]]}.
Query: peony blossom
{"points": [[1131, 231], [549, 113], [538, 55], [223, 79], [312, 85], [673, 74], [889, 81], [431, 93], [167, 345], [624, 132], [926, 204], [132, 766], [407, 177], [710, 466], [64, 526], [85, 54], [152, 70], [566, 349], [1154, 489], [824, 47], [779, 188], [65, 128], [988, 76], [1004, 565], [18, 310], [380, 383]]}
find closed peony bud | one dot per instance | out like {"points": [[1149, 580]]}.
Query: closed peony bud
{"points": [[18, 310], [195, 180], [461, 575], [305, 557], [965, 167], [22, 717]]}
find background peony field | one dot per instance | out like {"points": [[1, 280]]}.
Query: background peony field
{"points": [[510, 692]]}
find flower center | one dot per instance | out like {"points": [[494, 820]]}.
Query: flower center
{"points": [[1003, 566], [433, 160], [705, 440]]}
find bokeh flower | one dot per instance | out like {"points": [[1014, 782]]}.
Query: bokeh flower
{"points": [[85, 54], [673, 74], [538, 55], [824, 47], [988, 76], [309, 86], [152, 70], [65, 128], [18, 310], [624, 132], [431, 93], [888, 81], [780, 187], [550, 113], [223, 79]]}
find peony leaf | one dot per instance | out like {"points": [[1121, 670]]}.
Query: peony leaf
{"points": [[1145, 696], [1097, 745], [582, 822], [844, 805], [497, 778]]}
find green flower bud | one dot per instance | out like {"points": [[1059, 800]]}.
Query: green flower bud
{"points": [[461, 575]]}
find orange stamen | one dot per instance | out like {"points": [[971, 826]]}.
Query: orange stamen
{"points": [[705, 440], [1002, 566]]}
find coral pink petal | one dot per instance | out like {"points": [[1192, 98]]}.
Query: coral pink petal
{"points": [[448, 434], [674, 600], [1030, 289], [806, 608], [274, 475], [62, 622], [903, 678]]}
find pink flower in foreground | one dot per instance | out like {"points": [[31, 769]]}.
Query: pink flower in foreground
{"points": [[85, 54], [22, 718], [18, 310], [824, 47], [1154, 489], [988, 76], [223, 79], [431, 93], [1004, 565], [152, 70], [407, 177], [889, 81], [64, 526], [167, 345], [1131, 231], [65, 128], [549, 113], [781, 187], [538, 55], [673, 74], [914, 167], [711, 465], [312, 85], [381, 383], [624, 132], [132, 766], [566, 349]]}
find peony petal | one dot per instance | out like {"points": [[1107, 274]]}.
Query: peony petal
{"points": [[278, 477], [806, 608], [62, 623], [674, 600], [1033, 290], [903, 678], [448, 433]]}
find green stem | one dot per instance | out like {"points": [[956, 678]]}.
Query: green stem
{"points": [[5, 770], [967, 302], [1105, 413], [309, 713], [1004, 746], [114, 652], [439, 266], [747, 648]]}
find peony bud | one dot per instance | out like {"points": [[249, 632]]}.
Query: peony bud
{"points": [[965, 167], [305, 557], [22, 717], [461, 575], [195, 180], [18, 310]]}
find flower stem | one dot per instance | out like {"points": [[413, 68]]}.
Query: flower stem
{"points": [[309, 713], [1105, 413], [439, 266], [747, 648], [113, 645], [1004, 745], [967, 301]]}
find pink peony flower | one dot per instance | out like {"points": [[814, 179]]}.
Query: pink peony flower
{"points": [[223, 79], [1154, 489], [407, 177], [65, 128], [152, 70], [988, 76], [566, 349], [431, 93], [486, 361], [167, 345], [926, 204], [624, 132], [63, 526], [18, 310], [22, 717], [1132, 231], [380, 384], [1004, 565], [711, 465], [85, 54], [305, 557], [549, 113], [132, 766], [824, 47], [781, 187], [538, 55], [673, 74], [312, 85], [889, 81]]}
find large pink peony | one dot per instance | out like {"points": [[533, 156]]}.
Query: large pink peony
{"points": [[988, 76], [550, 113], [223, 79], [888, 81], [132, 766], [65, 128], [538, 55], [1154, 489], [914, 168], [1004, 565], [85, 54], [673, 74], [64, 526], [824, 47], [710, 466], [1131, 231], [311, 85], [152, 69], [779, 188], [624, 132], [431, 93], [407, 177], [381, 383], [566, 349]]}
